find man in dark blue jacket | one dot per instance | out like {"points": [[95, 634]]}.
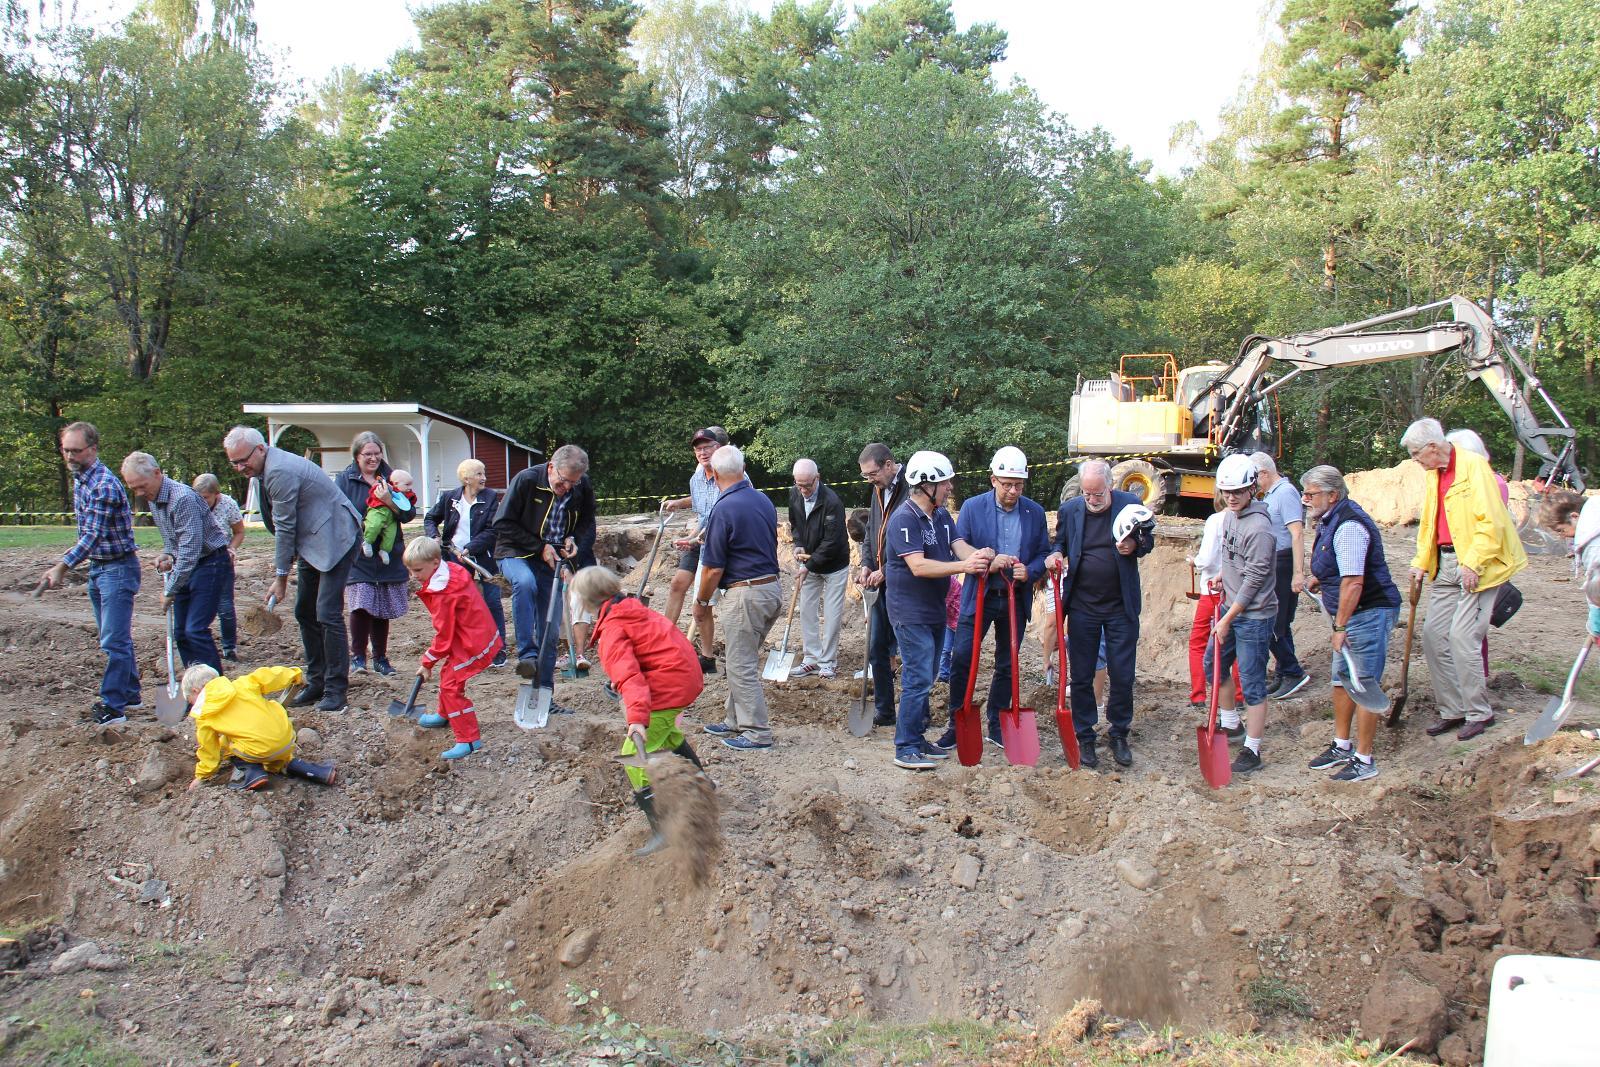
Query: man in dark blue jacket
{"points": [[1100, 588], [1014, 526]]}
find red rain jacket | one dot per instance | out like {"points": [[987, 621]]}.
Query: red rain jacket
{"points": [[647, 658], [464, 633]]}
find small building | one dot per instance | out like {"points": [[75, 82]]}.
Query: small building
{"points": [[425, 441]]}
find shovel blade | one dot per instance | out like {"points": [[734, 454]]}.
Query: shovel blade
{"points": [[861, 712], [969, 736], [1397, 710], [778, 666], [1019, 733], [1069, 737], [1215, 766], [170, 708], [1368, 694], [532, 710], [1555, 714], [399, 709]]}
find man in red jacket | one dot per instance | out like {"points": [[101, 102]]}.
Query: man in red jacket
{"points": [[465, 640], [656, 673]]}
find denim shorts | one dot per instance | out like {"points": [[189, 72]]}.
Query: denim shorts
{"points": [[1248, 643], [1367, 637]]}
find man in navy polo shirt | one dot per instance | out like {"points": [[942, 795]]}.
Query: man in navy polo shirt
{"points": [[740, 557], [922, 552]]}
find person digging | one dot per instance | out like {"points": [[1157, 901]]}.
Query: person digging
{"points": [[465, 640], [656, 673], [236, 720]]}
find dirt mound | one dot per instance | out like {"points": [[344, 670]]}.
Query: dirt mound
{"points": [[1391, 495], [688, 805]]}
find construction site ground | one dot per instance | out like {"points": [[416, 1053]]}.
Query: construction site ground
{"points": [[424, 912]]}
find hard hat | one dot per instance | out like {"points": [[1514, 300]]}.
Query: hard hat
{"points": [[929, 467], [1131, 518], [1009, 462], [1237, 471]]}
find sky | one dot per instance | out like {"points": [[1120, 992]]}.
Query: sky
{"points": [[1138, 68]]}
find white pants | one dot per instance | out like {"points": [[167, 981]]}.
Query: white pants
{"points": [[821, 630]]}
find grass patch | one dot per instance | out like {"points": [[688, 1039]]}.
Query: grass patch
{"points": [[850, 1040], [55, 1038], [1273, 996], [62, 537], [1548, 675]]}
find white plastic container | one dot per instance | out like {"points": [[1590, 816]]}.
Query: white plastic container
{"points": [[1544, 1011]]}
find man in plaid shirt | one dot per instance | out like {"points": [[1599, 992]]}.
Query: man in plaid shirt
{"points": [[105, 539]]}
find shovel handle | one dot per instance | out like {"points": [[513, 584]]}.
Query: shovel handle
{"points": [[411, 701], [1016, 646]]}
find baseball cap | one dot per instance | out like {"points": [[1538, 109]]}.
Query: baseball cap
{"points": [[710, 433]]}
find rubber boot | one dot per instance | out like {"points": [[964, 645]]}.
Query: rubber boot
{"points": [[646, 799], [461, 748], [430, 720], [251, 776], [321, 773], [688, 753]]}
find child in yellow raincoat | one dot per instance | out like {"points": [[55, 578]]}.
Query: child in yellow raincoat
{"points": [[235, 720]]}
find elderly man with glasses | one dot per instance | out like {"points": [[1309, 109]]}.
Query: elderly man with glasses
{"points": [[822, 548], [544, 512], [105, 539], [1468, 544], [878, 467], [313, 522]]}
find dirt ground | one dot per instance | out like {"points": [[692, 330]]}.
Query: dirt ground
{"points": [[400, 915]]}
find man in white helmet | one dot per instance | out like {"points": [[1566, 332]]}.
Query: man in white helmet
{"points": [[1100, 590], [1005, 520], [922, 551], [1249, 606]]}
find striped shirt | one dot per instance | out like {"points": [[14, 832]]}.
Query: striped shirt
{"points": [[105, 519], [189, 530]]}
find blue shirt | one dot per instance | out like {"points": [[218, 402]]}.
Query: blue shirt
{"points": [[105, 519], [1283, 507], [917, 601], [703, 493], [189, 531], [1008, 530], [742, 536]]}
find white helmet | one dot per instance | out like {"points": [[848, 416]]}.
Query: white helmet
{"points": [[1131, 518], [1009, 462], [929, 467], [1237, 471]]}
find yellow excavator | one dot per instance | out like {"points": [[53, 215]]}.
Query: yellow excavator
{"points": [[1165, 429]]}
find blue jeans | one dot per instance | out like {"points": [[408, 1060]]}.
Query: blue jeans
{"points": [[997, 615], [112, 587], [195, 607], [919, 660], [494, 597], [947, 649], [880, 648], [1114, 641], [1247, 643], [1367, 637], [227, 620], [532, 585], [1283, 626]]}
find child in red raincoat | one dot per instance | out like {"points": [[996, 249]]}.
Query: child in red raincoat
{"points": [[656, 673], [465, 640]]}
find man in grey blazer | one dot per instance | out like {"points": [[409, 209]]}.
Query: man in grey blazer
{"points": [[311, 520]]}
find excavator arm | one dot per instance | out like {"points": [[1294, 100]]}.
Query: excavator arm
{"points": [[1487, 354]]}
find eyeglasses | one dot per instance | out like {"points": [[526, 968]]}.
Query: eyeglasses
{"points": [[243, 461], [370, 454], [805, 487], [1101, 495], [65, 451]]}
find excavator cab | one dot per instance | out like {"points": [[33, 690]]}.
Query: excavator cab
{"points": [[1129, 411]]}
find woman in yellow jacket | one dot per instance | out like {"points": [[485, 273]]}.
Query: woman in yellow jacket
{"points": [[1468, 544], [234, 719]]}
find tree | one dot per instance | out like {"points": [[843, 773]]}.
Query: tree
{"points": [[677, 42]]}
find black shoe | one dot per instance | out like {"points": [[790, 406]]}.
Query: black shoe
{"points": [[1121, 752], [1087, 756], [1232, 733], [527, 668], [332, 704], [708, 665], [106, 715], [1246, 761], [499, 659], [382, 666], [883, 720], [560, 709], [1289, 686], [229, 656], [1357, 771], [1332, 756], [305, 698]]}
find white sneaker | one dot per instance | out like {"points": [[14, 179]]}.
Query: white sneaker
{"points": [[805, 670], [860, 674], [827, 672]]}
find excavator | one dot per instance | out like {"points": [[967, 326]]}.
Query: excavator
{"points": [[1165, 431]]}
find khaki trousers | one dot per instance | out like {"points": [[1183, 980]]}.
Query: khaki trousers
{"points": [[748, 612], [1452, 643]]}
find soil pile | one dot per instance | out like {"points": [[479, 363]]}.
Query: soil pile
{"points": [[1391, 495]]}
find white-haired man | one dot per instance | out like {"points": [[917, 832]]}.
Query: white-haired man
{"points": [[313, 522], [822, 548], [740, 557], [1288, 572], [1468, 544]]}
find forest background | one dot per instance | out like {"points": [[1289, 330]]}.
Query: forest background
{"points": [[592, 221]]}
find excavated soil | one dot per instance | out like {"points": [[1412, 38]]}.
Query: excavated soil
{"points": [[399, 915]]}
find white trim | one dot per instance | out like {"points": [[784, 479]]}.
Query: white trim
{"points": [[288, 412]]}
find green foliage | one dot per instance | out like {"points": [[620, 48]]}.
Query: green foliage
{"points": [[1273, 996]]}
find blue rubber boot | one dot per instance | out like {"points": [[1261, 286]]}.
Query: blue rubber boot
{"points": [[461, 748], [429, 719]]}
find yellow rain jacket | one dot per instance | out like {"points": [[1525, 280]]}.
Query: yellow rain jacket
{"points": [[233, 717], [1482, 529]]}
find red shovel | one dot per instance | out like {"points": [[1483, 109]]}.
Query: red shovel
{"points": [[1069, 733], [1019, 733], [969, 731], [1214, 763]]}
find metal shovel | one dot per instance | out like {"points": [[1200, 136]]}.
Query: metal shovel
{"points": [[1366, 692], [1556, 712], [861, 709], [170, 708], [1019, 733], [499, 581], [780, 661], [571, 671], [1414, 594], [969, 731], [650, 564], [1215, 767], [1064, 726], [403, 710], [532, 710]]}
